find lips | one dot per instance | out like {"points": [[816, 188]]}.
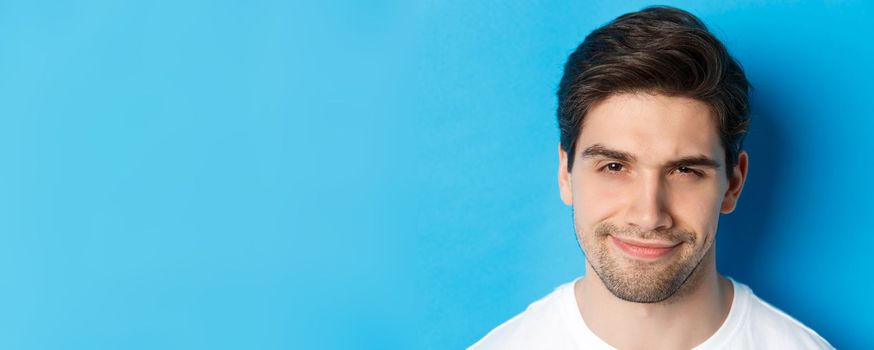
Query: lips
{"points": [[644, 250]]}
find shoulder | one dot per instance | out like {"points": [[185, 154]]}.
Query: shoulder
{"points": [[541, 324], [770, 328]]}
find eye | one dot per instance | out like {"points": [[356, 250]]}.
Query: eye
{"points": [[613, 167], [687, 171]]}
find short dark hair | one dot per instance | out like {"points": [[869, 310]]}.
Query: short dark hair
{"points": [[661, 50]]}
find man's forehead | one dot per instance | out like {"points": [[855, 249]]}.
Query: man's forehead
{"points": [[654, 127]]}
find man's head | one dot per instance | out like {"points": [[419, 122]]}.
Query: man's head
{"points": [[652, 112], [662, 50]]}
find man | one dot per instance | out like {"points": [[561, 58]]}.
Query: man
{"points": [[652, 111]]}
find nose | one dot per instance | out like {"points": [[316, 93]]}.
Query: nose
{"points": [[648, 209]]}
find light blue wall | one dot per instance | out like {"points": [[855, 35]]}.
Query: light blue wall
{"points": [[269, 175]]}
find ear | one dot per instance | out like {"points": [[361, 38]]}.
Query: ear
{"points": [[564, 178], [735, 183]]}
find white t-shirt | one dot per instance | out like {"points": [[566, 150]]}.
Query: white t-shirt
{"points": [[554, 322]]}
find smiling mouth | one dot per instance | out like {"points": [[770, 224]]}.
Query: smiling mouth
{"points": [[644, 250]]}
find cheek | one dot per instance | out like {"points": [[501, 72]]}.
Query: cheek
{"points": [[698, 208], [594, 200]]}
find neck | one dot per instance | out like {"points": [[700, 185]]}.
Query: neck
{"points": [[684, 320]]}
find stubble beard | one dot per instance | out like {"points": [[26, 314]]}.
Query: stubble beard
{"points": [[643, 281]]}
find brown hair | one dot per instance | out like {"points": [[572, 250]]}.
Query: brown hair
{"points": [[661, 50]]}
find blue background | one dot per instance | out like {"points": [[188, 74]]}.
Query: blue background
{"points": [[273, 175]]}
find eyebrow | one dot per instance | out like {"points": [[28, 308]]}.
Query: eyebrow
{"points": [[598, 150], [696, 161]]}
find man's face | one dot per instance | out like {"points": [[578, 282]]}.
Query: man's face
{"points": [[647, 186]]}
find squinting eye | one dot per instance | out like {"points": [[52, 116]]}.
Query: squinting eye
{"points": [[688, 170]]}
